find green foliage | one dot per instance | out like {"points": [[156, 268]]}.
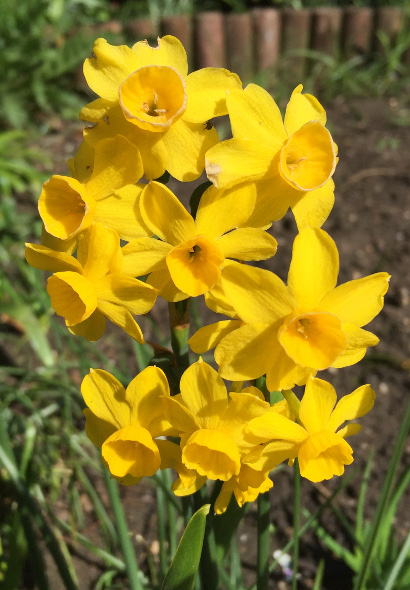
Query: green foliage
{"points": [[182, 573], [40, 47]]}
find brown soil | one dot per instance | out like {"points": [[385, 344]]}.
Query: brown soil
{"points": [[370, 224]]}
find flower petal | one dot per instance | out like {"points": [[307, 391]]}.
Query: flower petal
{"points": [[324, 455], [258, 296], [72, 296], [144, 255], [97, 109], [179, 415], [204, 393], [187, 144], [44, 258], [117, 162], [96, 429], [248, 244], [283, 372], [273, 198], [271, 426], [213, 454], [121, 212], [131, 451], [108, 67], [221, 210], [301, 109], [122, 318], [255, 115], [239, 160], [164, 214], [207, 89], [317, 404], [246, 352], [134, 295], [358, 340], [169, 52], [92, 328], [314, 268], [359, 301], [312, 208], [162, 281], [352, 406], [349, 430], [209, 336], [144, 395], [105, 396], [216, 299], [99, 251]]}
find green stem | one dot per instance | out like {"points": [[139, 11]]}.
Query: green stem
{"points": [[163, 558], [123, 532], [179, 319], [263, 541], [296, 523]]}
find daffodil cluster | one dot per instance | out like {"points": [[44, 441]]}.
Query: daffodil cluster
{"points": [[115, 238]]}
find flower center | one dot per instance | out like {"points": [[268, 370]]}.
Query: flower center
{"points": [[153, 97], [313, 340]]}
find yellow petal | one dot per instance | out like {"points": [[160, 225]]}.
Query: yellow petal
{"points": [[96, 429], [242, 408], [221, 210], [72, 296], [258, 296], [186, 144], [273, 198], [132, 451], [180, 490], [246, 352], [239, 160], [121, 212], [207, 89], [271, 426], [98, 251], [248, 244], [311, 209], [97, 109], [105, 396], [169, 52], [317, 404], [357, 342], [308, 158], [179, 415], [216, 299], [165, 215], [117, 162], [209, 336], [81, 166], [301, 109], [324, 455], [144, 255], [150, 145], [212, 454], [284, 373], [224, 497], [255, 115], [359, 301], [349, 430], [127, 292], [314, 267], [312, 340], [144, 395], [122, 318], [108, 67], [269, 456], [65, 206], [204, 393], [92, 328], [67, 246], [153, 97], [44, 258], [195, 265], [352, 406], [161, 280]]}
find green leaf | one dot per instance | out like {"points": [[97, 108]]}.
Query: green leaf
{"points": [[182, 573]]}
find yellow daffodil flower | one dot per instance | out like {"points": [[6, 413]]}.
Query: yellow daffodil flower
{"points": [[102, 190], [187, 258], [125, 423], [292, 332], [318, 440], [210, 425], [147, 96], [87, 289], [291, 162]]}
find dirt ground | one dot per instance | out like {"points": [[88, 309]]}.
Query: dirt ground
{"points": [[370, 223]]}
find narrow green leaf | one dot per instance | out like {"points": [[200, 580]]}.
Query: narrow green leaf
{"points": [[319, 575], [182, 573]]}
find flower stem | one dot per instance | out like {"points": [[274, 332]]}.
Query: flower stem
{"points": [[263, 541], [296, 523], [179, 319]]}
